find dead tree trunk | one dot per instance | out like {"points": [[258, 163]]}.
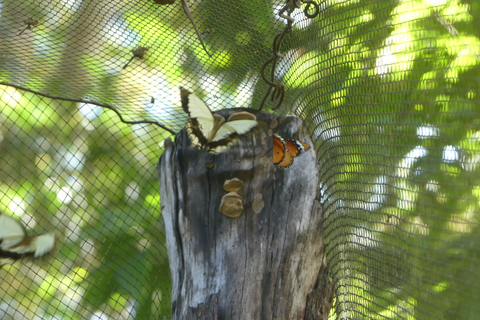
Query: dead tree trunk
{"points": [[266, 264]]}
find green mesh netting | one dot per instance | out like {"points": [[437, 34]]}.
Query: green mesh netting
{"points": [[388, 89]]}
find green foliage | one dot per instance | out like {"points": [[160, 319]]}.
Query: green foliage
{"points": [[388, 88], [98, 189], [397, 117]]}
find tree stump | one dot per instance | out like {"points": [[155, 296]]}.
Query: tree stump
{"points": [[268, 262]]}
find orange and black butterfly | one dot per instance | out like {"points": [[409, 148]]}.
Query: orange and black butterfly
{"points": [[285, 151]]}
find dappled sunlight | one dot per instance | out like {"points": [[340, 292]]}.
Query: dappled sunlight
{"points": [[387, 89], [65, 195], [9, 95], [428, 131], [362, 238], [132, 192], [405, 165], [16, 206], [450, 154], [90, 111], [66, 168]]}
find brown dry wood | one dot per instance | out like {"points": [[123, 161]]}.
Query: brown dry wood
{"points": [[263, 265]]}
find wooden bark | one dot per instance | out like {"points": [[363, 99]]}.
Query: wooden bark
{"points": [[268, 262]]}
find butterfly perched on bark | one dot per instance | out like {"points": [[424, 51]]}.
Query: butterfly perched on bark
{"points": [[211, 131], [15, 244], [285, 151]]}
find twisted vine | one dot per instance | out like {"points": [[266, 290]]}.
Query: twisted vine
{"points": [[285, 12]]}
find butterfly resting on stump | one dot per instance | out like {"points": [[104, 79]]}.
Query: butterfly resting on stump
{"points": [[285, 151], [211, 131]]}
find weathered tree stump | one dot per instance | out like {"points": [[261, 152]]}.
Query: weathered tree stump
{"points": [[264, 264]]}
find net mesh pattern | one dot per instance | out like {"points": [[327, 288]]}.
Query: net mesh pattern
{"points": [[387, 88]]}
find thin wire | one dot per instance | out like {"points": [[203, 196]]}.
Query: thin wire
{"points": [[104, 105]]}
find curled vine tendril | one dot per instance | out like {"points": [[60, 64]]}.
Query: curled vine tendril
{"points": [[315, 6], [286, 13]]}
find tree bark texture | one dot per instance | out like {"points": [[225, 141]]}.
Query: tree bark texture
{"points": [[269, 262]]}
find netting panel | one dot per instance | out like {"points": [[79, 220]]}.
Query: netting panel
{"points": [[387, 88], [396, 117], [79, 50], [78, 171]]}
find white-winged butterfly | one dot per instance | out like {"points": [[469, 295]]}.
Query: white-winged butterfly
{"points": [[15, 244], [285, 151], [211, 131]]}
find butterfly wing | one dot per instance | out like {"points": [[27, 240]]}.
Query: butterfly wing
{"points": [[196, 128], [278, 149], [6, 260], [296, 147], [285, 151], [229, 133], [201, 121], [238, 126], [11, 232], [206, 129], [194, 106], [16, 244], [43, 244], [36, 246], [287, 160], [304, 145], [281, 155]]}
